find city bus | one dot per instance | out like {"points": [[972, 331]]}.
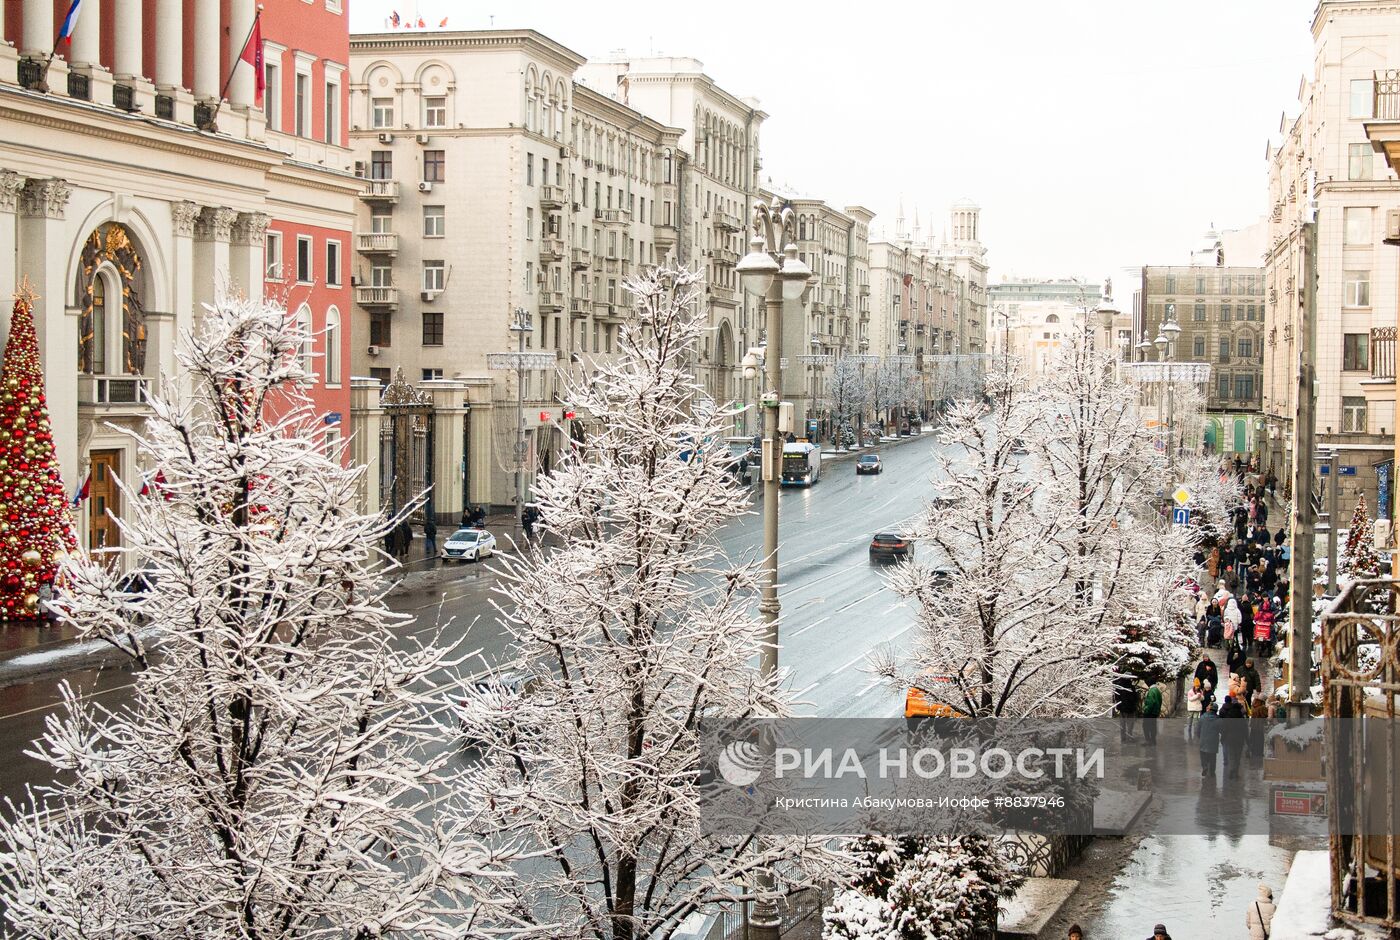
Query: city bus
{"points": [[802, 464]]}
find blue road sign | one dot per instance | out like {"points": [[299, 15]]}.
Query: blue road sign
{"points": [[1341, 471], [1181, 515]]}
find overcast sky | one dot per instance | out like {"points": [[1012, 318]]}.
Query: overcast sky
{"points": [[1095, 134]]}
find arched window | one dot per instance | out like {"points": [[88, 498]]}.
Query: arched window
{"points": [[1053, 318], [111, 320], [666, 166], [304, 331], [97, 364], [332, 346]]}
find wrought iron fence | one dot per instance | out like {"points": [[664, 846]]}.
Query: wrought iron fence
{"points": [[31, 74], [1383, 352], [1361, 681], [1385, 105], [79, 86], [165, 107], [124, 97]]}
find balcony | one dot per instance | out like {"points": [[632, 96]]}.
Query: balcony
{"points": [[113, 389], [723, 295], [581, 258], [616, 217], [726, 222], [377, 243], [552, 300], [552, 197], [380, 191], [551, 249], [1383, 353], [865, 290], [386, 298], [723, 256], [1383, 127], [579, 306], [665, 238], [612, 266]]}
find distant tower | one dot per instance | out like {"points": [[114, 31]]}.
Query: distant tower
{"points": [[965, 219], [915, 237], [899, 222]]}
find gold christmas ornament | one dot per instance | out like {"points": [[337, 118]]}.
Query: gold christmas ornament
{"points": [[31, 558], [31, 602]]}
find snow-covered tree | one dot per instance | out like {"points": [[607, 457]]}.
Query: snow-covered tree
{"points": [[1214, 495], [846, 397], [625, 635], [917, 887], [1003, 632], [269, 778]]}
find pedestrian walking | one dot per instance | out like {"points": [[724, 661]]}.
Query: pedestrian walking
{"points": [[1264, 630], [1195, 702], [1234, 733], [1252, 683], [405, 539], [1206, 671], [1235, 658], [1209, 741], [1260, 916], [1151, 709], [1125, 696], [1075, 932], [430, 537], [1159, 932], [1232, 618], [1258, 726], [391, 542]]}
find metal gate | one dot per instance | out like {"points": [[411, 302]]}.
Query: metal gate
{"points": [[406, 449]]}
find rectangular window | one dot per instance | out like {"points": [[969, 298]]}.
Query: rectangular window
{"points": [[1358, 289], [332, 264], [1200, 285], [1224, 349], [1244, 387], [529, 277], [272, 96], [1354, 414], [1171, 284], [434, 221], [432, 375], [332, 112], [272, 256], [434, 166], [1198, 347], [303, 105], [383, 112], [432, 328], [1360, 161], [304, 259], [1244, 348], [529, 169], [1356, 351], [381, 164], [1249, 312], [1361, 103], [529, 223], [1222, 387], [1356, 223], [434, 275], [381, 275], [435, 112], [381, 220], [1225, 313], [379, 334], [381, 375]]}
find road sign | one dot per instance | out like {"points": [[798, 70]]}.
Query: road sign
{"points": [[1182, 496], [1341, 471], [1181, 515]]}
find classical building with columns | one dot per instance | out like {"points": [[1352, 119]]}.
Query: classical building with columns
{"points": [[130, 196]]}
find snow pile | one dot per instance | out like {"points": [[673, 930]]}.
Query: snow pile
{"points": [[1300, 737]]}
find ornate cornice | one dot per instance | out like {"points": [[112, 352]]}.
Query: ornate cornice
{"points": [[251, 228], [45, 198], [215, 223], [183, 215], [11, 183]]}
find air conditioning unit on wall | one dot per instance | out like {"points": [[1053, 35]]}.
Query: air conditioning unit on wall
{"points": [[425, 187], [373, 350], [386, 138]]}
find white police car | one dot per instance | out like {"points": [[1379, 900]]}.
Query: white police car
{"points": [[469, 545]]}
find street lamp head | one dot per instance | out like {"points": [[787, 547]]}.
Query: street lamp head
{"points": [[795, 274], [522, 322], [1106, 314], [1161, 343], [1172, 330], [757, 268]]}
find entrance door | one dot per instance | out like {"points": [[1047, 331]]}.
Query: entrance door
{"points": [[102, 496], [1241, 446]]}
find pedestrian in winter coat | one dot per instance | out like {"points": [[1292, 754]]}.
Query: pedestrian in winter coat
{"points": [[1234, 733], [1246, 621], [1159, 932], [1206, 671], [1264, 630], [1125, 697], [1209, 741], [1260, 916], [1075, 932], [1235, 660], [1232, 617], [1195, 701], [430, 537], [1252, 683], [1151, 709], [1258, 726], [1280, 536], [1213, 563]]}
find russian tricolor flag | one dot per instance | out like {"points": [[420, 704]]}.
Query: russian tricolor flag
{"points": [[70, 22]]}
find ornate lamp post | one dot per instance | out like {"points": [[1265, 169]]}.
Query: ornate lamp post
{"points": [[519, 361], [777, 278]]}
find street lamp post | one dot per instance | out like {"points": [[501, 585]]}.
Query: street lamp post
{"points": [[518, 362], [775, 277], [1166, 345]]}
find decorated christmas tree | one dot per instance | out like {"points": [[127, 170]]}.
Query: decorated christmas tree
{"points": [[1361, 560], [36, 531]]}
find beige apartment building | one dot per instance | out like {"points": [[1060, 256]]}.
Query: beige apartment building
{"points": [[1323, 167], [494, 184]]}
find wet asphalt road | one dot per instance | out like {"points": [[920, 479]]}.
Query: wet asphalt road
{"points": [[836, 608]]}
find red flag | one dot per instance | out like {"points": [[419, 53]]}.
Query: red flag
{"points": [[394, 19], [421, 24], [253, 54], [443, 23]]}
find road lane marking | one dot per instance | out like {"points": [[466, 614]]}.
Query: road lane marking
{"points": [[859, 600], [796, 633]]}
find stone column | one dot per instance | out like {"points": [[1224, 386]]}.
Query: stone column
{"points": [[43, 258], [11, 184], [212, 230], [170, 45], [126, 53], [246, 257], [86, 48], [208, 64], [241, 88], [487, 483], [449, 409], [36, 40], [366, 421], [163, 328]]}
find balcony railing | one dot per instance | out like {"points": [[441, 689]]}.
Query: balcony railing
{"points": [[380, 190], [552, 197], [552, 300], [79, 86], [581, 258], [1385, 105], [377, 296], [1383, 353], [377, 243], [726, 222], [579, 306], [113, 389], [551, 249], [726, 257], [617, 216]]}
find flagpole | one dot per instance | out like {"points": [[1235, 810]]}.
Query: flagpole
{"points": [[44, 82], [213, 118]]}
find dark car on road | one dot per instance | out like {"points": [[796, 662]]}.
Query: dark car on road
{"points": [[869, 463], [888, 546]]}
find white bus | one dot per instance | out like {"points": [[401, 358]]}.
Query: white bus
{"points": [[802, 464]]}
